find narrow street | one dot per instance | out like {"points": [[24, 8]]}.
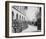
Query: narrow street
{"points": [[30, 28]]}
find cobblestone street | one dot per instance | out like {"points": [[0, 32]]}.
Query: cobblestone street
{"points": [[30, 28]]}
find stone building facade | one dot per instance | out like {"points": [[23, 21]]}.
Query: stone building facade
{"points": [[19, 18]]}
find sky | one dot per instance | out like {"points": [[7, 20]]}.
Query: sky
{"points": [[31, 13]]}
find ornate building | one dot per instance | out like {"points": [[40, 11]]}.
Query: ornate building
{"points": [[19, 18], [19, 12]]}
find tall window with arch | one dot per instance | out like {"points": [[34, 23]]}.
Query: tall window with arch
{"points": [[20, 17], [12, 15], [17, 16]]}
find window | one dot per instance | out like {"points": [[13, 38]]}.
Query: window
{"points": [[24, 18], [16, 16], [12, 14], [20, 16]]}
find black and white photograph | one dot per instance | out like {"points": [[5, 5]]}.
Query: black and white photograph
{"points": [[25, 19]]}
